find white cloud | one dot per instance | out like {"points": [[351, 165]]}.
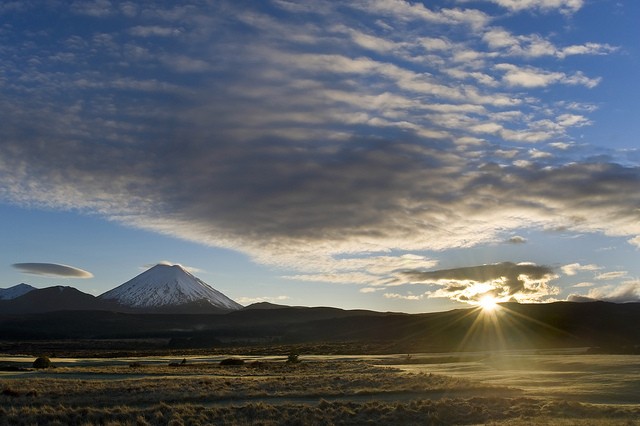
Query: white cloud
{"points": [[418, 12], [563, 6], [572, 120], [534, 45], [574, 268], [530, 77], [613, 275], [587, 49], [635, 241], [412, 297], [190, 269], [436, 43], [246, 301], [626, 292]]}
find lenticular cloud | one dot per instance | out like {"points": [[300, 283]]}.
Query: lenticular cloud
{"points": [[52, 270]]}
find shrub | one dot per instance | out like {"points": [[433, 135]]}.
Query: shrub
{"points": [[232, 361], [293, 358], [42, 362], [10, 392]]}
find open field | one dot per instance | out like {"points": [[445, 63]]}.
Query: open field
{"points": [[475, 388]]}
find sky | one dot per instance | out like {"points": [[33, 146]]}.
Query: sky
{"points": [[388, 155]]}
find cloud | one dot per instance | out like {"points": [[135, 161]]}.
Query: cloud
{"points": [[94, 8], [413, 297], [574, 268], [626, 292], [504, 281], [418, 12], [563, 6], [306, 143], [190, 269], [613, 275], [517, 239], [52, 270], [246, 301], [533, 46], [372, 271], [530, 77], [154, 31], [635, 241]]}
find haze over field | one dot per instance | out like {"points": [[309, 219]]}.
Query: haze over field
{"points": [[377, 154]]}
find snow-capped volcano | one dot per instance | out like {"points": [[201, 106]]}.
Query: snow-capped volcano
{"points": [[167, 286]]}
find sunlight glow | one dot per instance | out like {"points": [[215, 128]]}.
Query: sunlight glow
{"points": [[488, 303]]}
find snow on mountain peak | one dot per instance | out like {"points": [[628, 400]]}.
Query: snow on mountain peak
{"points": [[167, 285]]}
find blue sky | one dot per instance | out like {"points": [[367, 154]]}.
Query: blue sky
{"points": [[386, 155]]}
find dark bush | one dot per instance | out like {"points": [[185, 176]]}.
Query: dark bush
{"points": [[232, 361], [10, 392], [42, 362], [293, 358]]}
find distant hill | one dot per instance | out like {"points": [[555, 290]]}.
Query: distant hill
{"points": [[57, 298], [264, 305], [608, 326], [15, 291]]}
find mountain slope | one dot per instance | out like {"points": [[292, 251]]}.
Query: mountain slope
{"points": [[57, 298], [15, 291], [167, 286]]}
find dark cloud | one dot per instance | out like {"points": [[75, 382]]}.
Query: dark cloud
{"points": [[516, 239], [52, 270]]}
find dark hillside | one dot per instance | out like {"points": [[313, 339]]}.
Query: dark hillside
{"points": [[609, 326]]}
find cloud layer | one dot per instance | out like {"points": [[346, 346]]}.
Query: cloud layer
{"points": [[52, 270], [308, 134], [502, 281]]}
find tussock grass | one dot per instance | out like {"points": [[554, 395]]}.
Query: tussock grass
{"points": [[276, 393], [495, 411], [198, 383]]}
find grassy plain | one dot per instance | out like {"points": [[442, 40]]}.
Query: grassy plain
{"points": [[320, 390]]}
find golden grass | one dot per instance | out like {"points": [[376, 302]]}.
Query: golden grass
{"points": [[270, 393]]}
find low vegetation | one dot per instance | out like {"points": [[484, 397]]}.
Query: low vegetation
{"points": [[42, 362], [232, 361], [274, 392], [419, 412]]}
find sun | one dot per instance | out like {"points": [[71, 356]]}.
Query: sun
{"points": [[488, 303]]}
